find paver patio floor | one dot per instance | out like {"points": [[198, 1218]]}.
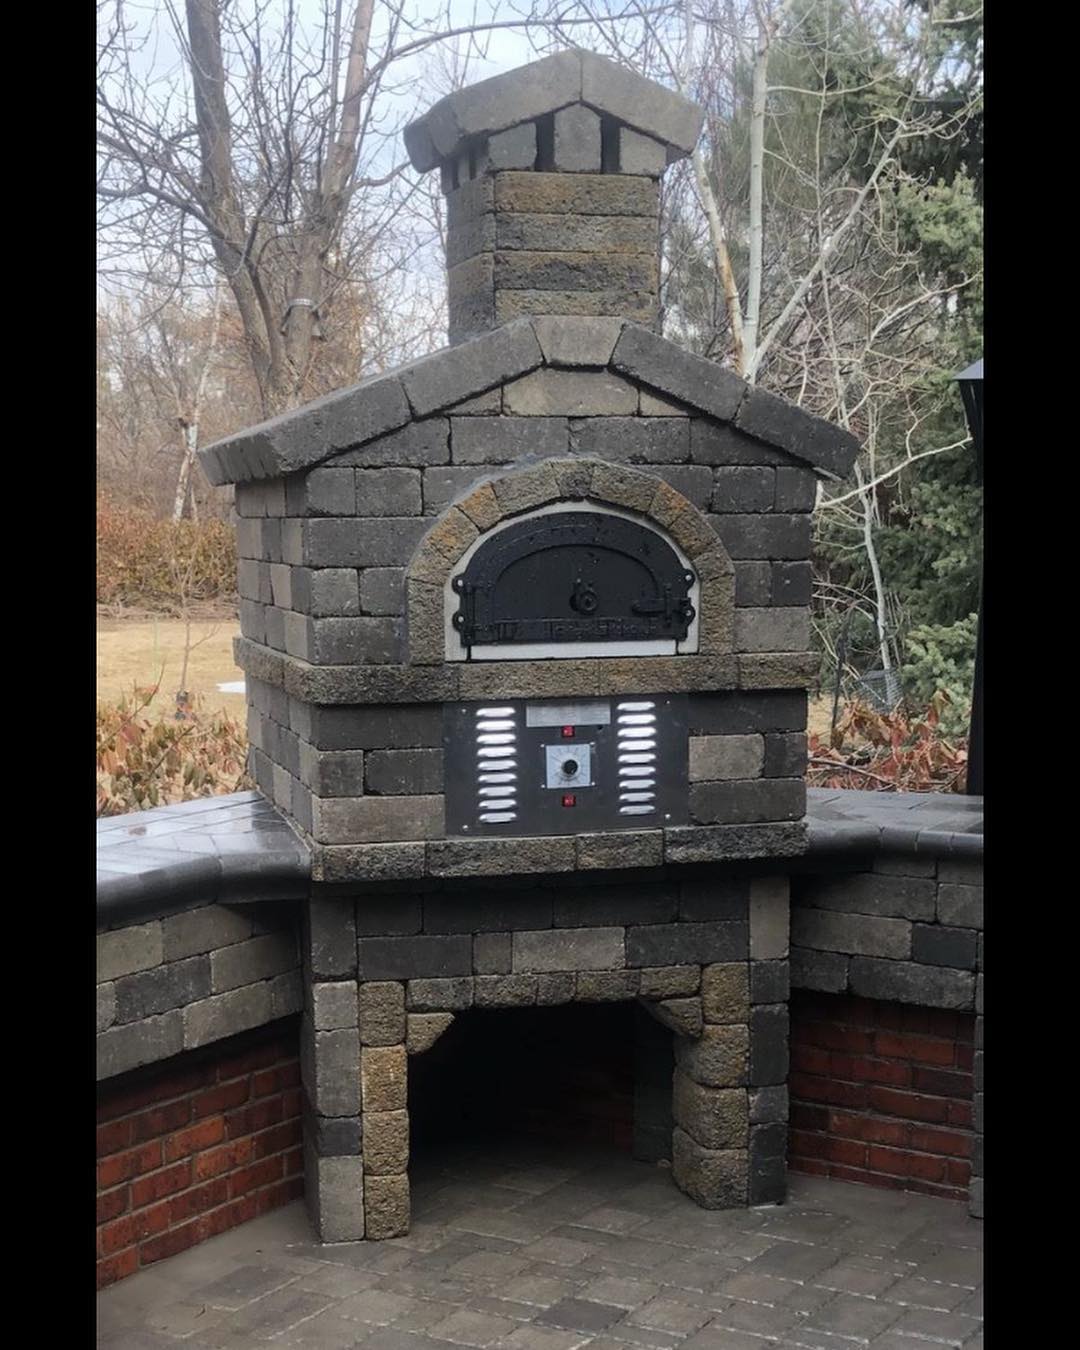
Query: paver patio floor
{"points": [[539, 1249]]}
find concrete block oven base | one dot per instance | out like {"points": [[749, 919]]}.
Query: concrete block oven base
{"points": [[387, 976]]}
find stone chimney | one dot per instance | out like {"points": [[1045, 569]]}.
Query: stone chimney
{"points": [[551, 174]]}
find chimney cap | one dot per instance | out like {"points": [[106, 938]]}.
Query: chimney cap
{"points": [[545, 86]]}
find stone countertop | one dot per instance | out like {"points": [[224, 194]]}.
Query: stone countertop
{"points": [[238, 848], [234, 848]]}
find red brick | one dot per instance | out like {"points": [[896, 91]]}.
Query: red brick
{"points": [[922, 1049], [169, 1243], [907, 1104], [943, 1082], [834, 1037], [221, 1098], [117, 1267], [294, 1161], [961, 1113], [292, 1102], [865, 1177], [262, 1114], [826, 1090], [257, 1057], [926, 1167], [861, 1068], [162, 1119], [951, 1142], [806, 1117], [197, 1200], [815, 1167], [965, 1056], [113, 1136], [810, 1058], [278, 1139], [273, 1197], [848, 1125], [958, 1171], [892, 1161], [845, 1151], [195, 1138], [111, 1204], [258, 1174], [159, 1089], [930, 1188], [131, 1229], [160, 1184], [804, 1144], [276, 1079], [223, 1159], [121, 1166]]}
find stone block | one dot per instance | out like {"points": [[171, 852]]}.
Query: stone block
{"points": [[721, 897], [659, 982], [127, 950], [792, 583], [417, 444], [768, 1105], [908, 982], [570, 393], [370, 863], [382, 1012], [569, 949], [935, 945], [331, 932], [621, 486], [632, 440], [469, 239], [347, 820], [334, 1005], [625, 848], [721, 758], [743, 487], [740, 713], [504, 991], [768, 1165], [482, 507], [714, 1179], [640, 154], [424, 1029], [442, 485], [326, 492], [496, 911], [560, 271], [718, 1059], [388, 492], [853, 934], [106, 1006], [607, 235], [336, 1089], [772, 629], [513, 149], [681, 1015], [573, 340], [404, 772], [212, 1019], [258, 958], [826, 972], [725, 993], [556, 988], [501, 440], [492, 954], [333, 773], [796, 489], [386, 1207], [747, 801], [339, 1198], [768, 1044], [500, 857], [771, 536], [383, 1078], [770, 981], [639, 306], [145, 1042], [785, 755], [386, 542], [769, 918], [959, 905], [386, 1142], [692, 481], [437, 995], [682, 944], [471, 367], [376, 727], [778, 422], [577, 140], [526, 489], [664, 366], [903, 897], [611, 906], [576, 195], [715, 1118], [201, 930], [150, 992], [414, 958]]}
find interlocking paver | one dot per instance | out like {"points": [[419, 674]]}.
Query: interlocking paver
{"points": [[545, 1250]]}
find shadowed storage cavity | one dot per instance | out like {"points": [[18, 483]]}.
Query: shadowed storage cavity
{"points": [[563, 1075]]}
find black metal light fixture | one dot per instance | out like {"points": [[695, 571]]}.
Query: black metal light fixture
{"points": [[971, 390]]}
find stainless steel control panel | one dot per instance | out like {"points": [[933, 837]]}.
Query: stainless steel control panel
{"points": [[549, 766]]}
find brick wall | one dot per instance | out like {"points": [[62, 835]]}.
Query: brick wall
{"points": [[192, 1147], [882, 1093]]}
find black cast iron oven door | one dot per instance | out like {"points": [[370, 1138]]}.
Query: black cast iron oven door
{"points": [[574, 576]]}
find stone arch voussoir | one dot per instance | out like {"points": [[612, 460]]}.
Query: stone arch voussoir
{"points": [[547, 483]]}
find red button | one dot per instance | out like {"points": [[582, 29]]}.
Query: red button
{"points": [[568, 733], [568, 799]]}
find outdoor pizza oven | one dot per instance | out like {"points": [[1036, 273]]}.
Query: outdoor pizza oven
{"points": [[526, 640]]}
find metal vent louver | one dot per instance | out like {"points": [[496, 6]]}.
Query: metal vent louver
{"points": [[496, 764], [636, 729]]}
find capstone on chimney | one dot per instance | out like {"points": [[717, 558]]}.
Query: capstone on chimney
{"points": [[551, 174]]}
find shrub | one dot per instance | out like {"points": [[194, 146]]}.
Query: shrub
{"points": [[159, 564], [889, 752], [148, 758], [941, 657]]}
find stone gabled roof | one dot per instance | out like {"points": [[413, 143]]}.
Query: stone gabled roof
{"points": [[306, 437], [543, 87]]}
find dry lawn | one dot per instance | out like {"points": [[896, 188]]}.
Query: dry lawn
{"points": [[140, 652]]}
